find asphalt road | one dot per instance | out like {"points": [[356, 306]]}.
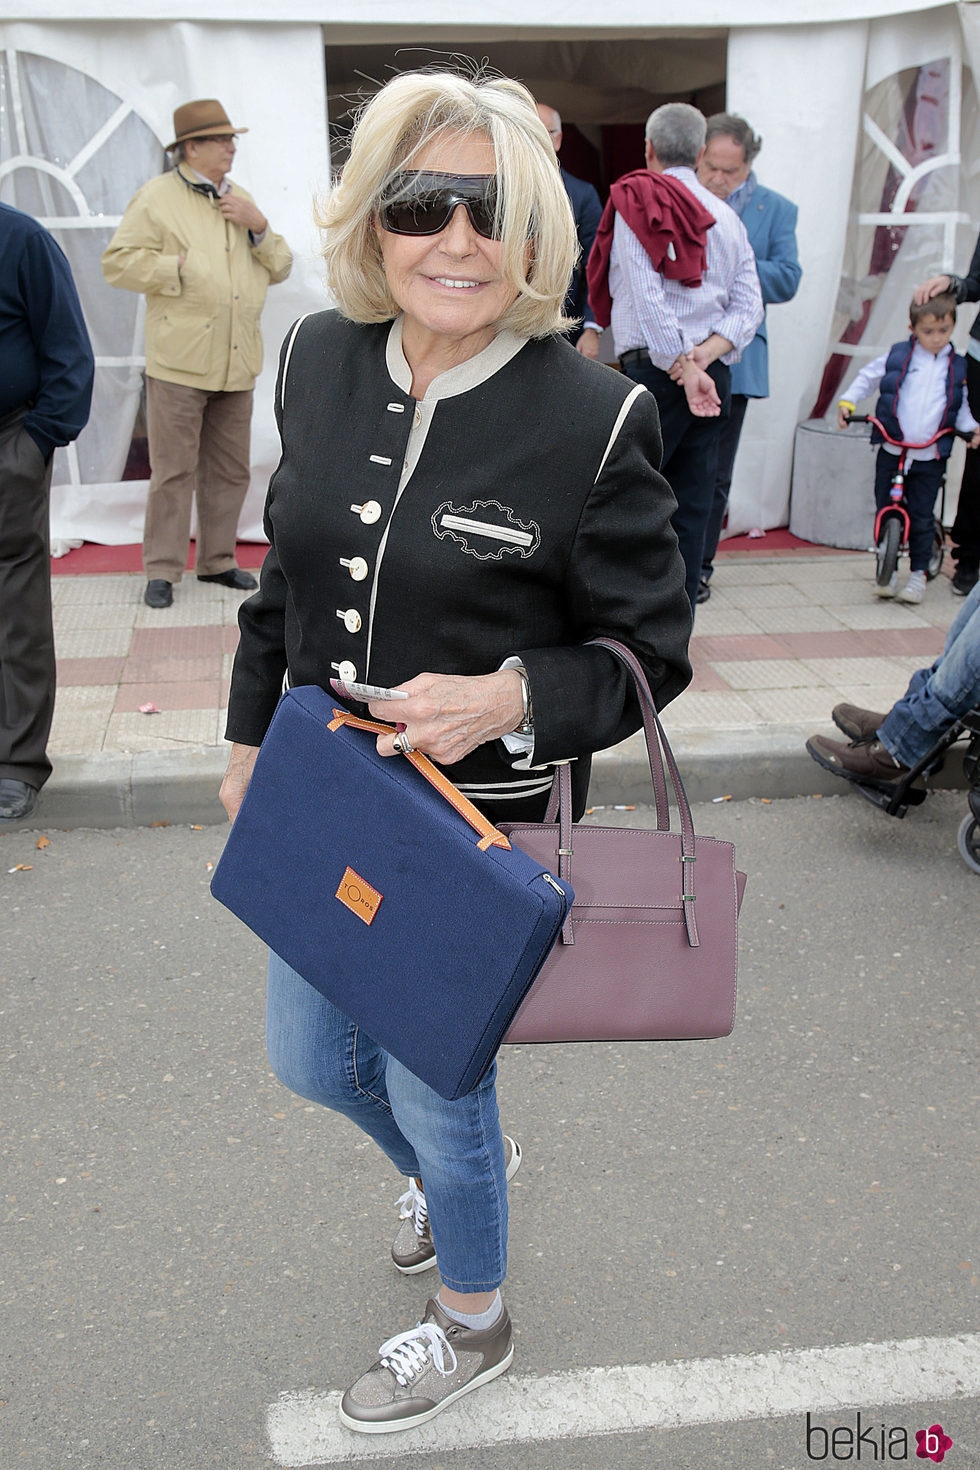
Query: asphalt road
{"points": [[183, 1240]]}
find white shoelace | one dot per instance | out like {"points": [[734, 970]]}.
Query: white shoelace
{"points": [[407, 1354], [412, 1202]]}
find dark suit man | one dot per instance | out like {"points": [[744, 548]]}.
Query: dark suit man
{"points": [[587, 212], [770, 223]]}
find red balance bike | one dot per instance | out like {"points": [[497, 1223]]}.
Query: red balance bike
{"points": [[892, 522]]}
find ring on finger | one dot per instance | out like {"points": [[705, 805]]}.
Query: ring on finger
{"points": [[402, 744]]}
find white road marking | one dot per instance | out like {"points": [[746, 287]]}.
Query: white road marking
{"points": [[304, 1430]]}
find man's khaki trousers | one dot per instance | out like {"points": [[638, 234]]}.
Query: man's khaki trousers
{"points": [[198, 443]]}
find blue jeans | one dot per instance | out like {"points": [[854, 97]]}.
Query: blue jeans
{"points": [[456, 1148], [938, 696]]}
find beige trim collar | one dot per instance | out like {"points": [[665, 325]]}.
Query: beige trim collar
{"points": [[462, 379]]}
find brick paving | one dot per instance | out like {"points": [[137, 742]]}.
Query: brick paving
{"points": [[782, 639]]}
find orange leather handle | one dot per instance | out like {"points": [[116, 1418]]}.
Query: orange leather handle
{"points": [[488, 834]]}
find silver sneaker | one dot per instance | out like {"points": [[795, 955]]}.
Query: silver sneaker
{"points": [[914, 589], [890, 588], [413, 1249], [421, 1372]]}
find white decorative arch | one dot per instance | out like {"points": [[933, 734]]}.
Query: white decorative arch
{"points": [[925, 212], [124, 74], [32, 145], [913, 175]]}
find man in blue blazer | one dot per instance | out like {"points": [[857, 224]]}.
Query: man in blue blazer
{"points": [[770, 222], [587, 211]]}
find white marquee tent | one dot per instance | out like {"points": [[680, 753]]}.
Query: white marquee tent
{"points": [[867, 108]]}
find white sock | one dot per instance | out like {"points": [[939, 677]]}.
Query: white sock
{"points": [[475, 1321]]}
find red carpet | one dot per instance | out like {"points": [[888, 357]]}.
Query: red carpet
{"points": [[775, 543], [92, 558]]}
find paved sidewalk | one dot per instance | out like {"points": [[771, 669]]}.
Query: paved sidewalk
{"points": [[782, 639]]}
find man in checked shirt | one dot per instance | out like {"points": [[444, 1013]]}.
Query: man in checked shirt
{"points": [[685, 302]]}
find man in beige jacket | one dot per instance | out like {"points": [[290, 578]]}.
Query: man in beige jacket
{"points": [[202, 252]]}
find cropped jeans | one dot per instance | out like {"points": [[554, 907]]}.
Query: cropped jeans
{"points": [[456, 1148], [937, 696]]}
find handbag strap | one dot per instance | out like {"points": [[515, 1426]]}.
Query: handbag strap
{"points": [[653, 733], [490, 836], [658, 752], [560, 806]]}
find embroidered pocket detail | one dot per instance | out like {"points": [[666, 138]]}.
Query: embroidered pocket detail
{"points": [[477, 535], [358, 896]]}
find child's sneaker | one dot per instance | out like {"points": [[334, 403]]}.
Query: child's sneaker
{"points": [[889, 589], [914, 589]]}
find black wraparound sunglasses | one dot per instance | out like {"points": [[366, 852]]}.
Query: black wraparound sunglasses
{"points": [[422, 203]]}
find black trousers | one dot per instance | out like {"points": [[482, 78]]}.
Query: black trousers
{"points": [[731, 432], [966, 528], [27, 670], [690, 460]]}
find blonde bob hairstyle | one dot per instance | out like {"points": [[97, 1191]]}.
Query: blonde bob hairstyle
{"points": [[534, 216]]}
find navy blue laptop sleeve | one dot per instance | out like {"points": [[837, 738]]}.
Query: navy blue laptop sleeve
{"points": [[390, 894]]}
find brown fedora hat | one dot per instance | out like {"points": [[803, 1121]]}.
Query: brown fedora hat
{"points": [[202, 119]]}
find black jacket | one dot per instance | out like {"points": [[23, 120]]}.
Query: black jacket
{"points": [[967, 288], [587, 212], [46, 356], [534, 519]]}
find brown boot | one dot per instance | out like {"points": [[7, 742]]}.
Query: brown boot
{"points": [[867, 761], [857, 723]]}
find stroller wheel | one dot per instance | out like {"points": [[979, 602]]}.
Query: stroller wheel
{"points": [[968, 841]]}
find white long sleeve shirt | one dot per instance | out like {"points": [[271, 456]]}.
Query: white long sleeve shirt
{"points": [[921, 399]]}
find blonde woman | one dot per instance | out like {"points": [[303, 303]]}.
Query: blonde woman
{"points": [[462, 501]]}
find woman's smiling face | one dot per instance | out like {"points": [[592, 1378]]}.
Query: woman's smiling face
{"points": [[449, 286]]}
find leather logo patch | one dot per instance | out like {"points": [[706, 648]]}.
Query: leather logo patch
{"points": [[486, 529], [358, 896]]}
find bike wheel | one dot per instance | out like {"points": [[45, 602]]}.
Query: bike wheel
{"points": [[938, 552], [968, 841], [889, 545]]}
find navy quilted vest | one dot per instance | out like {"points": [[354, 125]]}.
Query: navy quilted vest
{"points": [[890, 388]]}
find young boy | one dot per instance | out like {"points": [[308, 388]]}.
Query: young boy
{"points": [[923, 389]]}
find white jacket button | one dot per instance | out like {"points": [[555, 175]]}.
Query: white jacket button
{"points": [[351, 617], [347, 671], [369, 512], [357, 567]]}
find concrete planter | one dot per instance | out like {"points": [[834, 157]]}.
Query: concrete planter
{"points": [[832, 502]]}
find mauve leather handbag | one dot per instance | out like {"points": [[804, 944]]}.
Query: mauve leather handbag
{"points": [[648, 951]]}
